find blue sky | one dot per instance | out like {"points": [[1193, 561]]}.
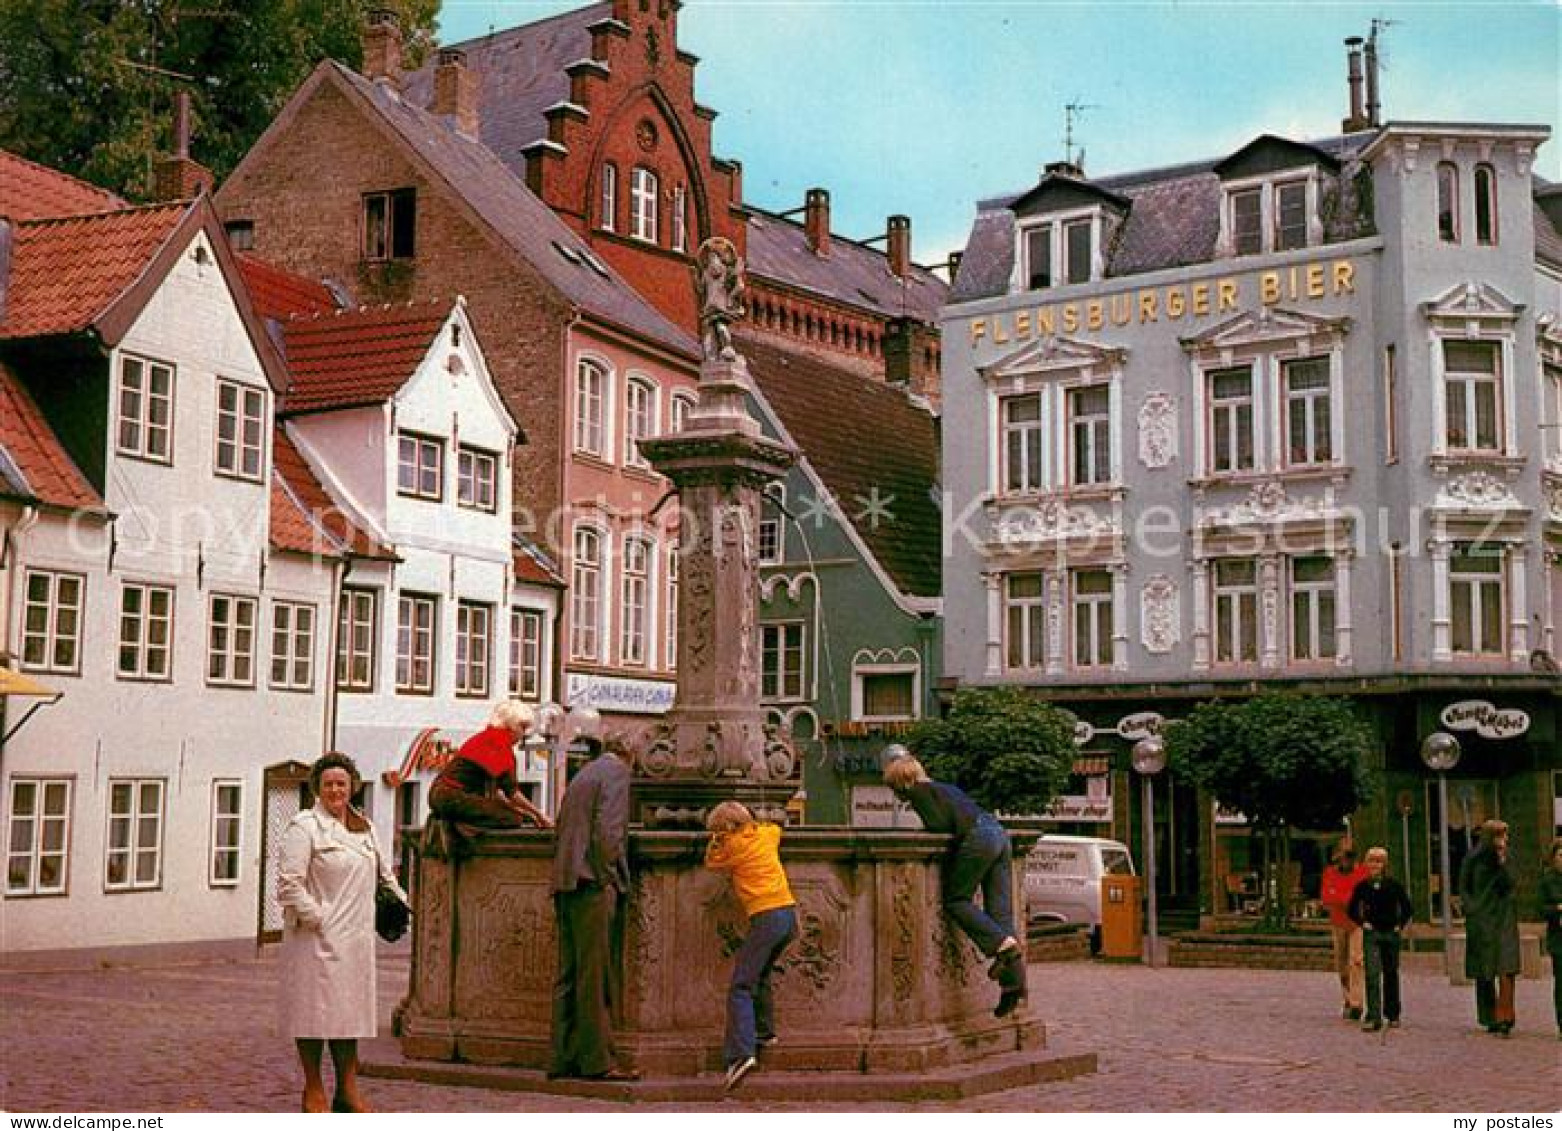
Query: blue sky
{"points": [[926, 107]]}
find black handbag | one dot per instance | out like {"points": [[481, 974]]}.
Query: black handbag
{"points": [[392, 916]]}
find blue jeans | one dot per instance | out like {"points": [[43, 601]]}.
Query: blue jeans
{"points": [[980, 859], [750, 1008], [1380, 949]]}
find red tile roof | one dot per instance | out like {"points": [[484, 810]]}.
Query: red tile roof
{"points": [[33, 464], [67, 272], [277, 293], [30, 192], [532, 565], [357, 357], [303, 517]]}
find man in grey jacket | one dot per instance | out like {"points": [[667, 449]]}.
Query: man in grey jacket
{"points": [[590, 875]]}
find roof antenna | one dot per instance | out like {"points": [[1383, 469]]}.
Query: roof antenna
{"points": [[1070, 112], [1373, 60]]}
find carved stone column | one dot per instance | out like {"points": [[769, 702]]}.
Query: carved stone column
{"points": [[1057, 609], [1518, 604], [1201, 613], [1119, 616], [1442, 619], [1269, 611], [1342, 609], [993, 583]]}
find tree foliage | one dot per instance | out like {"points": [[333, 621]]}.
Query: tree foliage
{"points": [[76, 94], [1010, 752]]}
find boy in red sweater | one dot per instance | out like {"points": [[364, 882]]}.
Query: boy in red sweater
{"points": [[1339, 882], [750, 851]]}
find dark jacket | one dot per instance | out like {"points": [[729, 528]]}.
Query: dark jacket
{"points": [[1491, 916], [591, 832], [943, 808], [1550, 900], [1380, 905]]}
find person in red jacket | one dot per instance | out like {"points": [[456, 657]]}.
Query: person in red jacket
{"points": [[1339, 882], [478, 785]]}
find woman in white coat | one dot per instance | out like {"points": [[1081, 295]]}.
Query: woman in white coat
{"points": [[325, 882]]}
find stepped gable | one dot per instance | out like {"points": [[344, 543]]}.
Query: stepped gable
{"points": [[861, 436]]}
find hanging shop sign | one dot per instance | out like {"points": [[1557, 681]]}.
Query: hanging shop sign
{"points": [[1485, 719], [1140, 724]]}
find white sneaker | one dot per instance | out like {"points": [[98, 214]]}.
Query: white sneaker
{"points": [[739, 1069]]}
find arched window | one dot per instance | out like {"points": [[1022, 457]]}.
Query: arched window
{"points": [[635, 601], [591, 398], [585, 614], [639, 418], [609, 214], [1448, 202], [682, 406], [1485, 204], [642, 204]]}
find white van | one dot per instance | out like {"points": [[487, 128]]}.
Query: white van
{"points": [[1063, 879]]}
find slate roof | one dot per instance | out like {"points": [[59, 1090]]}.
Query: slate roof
{"points": [[1173, 221], [861, 436], [67, 272], [523, 222], [29, 191], [363, 356], [1548, 239], [277, 293], [304, 520], [33, 463]]}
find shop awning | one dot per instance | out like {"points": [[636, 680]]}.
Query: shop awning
{"points": [[15, 683]]}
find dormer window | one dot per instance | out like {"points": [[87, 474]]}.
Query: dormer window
{"points": [[1270, 216], [1060, 253]]}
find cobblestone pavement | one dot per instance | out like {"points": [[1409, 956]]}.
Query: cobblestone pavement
{"points": [[200, 1038]]}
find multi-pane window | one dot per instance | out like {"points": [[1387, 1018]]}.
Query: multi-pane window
{"points": [[672, 608], [1473, 393], [356, 632], [525, 653], [1231, 419], [1236, 611], [230, 650], [1247, 221], [639, 418], [1267, 217], [642, 204], [292, 645], [635, 601], [1059, 254], [1476, 598], [1312, 609], [781, 661], [241, 418], [682, 405], [1038, 257], [679, 220], [39, 846], [608, 216], [416, 623], [134, 859], [1448, 202], [146, 409], [769, 541], [390, 222], [1290, 225], [146, 621], [1025, 617], [585, 598], [474, 646], [51, 621], [420, 466], [1308, 416], [1076, 250], [1022, 442], [1485, 204], [477, 477], [590, 407], [889, 695], [1092, 618], [1090, 434], [227, 832]]}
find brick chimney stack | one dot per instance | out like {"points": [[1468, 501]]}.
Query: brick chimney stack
{"points": [[455, 92], [911, 357], [177, 176], [1358, 118], [1372, 78], [898, 247], [816, 220], [382, 46]]}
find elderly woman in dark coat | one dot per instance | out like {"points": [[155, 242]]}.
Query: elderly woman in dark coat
{"points": [[1551, 912], [1491, 925]]}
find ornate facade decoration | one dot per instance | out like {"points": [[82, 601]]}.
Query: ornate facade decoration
{"points": [[1553, 492], [903, 960], [1160, 614], [1268, 502], [1157, 430], [1477, 489], [1047, 521]]}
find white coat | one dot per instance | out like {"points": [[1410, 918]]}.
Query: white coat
{"points": [[326, 878]]}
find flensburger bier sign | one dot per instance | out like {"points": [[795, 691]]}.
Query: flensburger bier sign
{"points": [[1485, 719]]}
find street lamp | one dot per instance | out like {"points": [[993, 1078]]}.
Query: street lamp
{"points": [[1441, 752], [1149, 759], [560, 728]]}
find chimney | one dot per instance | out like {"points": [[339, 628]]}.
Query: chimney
{"points": [[382, 46], [911, 357], [455, 92], [1064, 169], [898, 248], [816, 220], [1357, 120], [1372, 80], [954, 265], [176, 176]]}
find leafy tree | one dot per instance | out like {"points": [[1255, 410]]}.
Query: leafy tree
{"points": [[85, 84], [1285, 761], [1010, 752]]}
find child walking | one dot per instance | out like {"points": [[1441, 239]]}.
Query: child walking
{"points": [[750, 851], [1382, 909]]}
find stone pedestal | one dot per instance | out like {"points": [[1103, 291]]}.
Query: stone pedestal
{"points": [[877, 982]]}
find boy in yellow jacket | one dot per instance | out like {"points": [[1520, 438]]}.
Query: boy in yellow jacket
{"points": [[751, 851]]}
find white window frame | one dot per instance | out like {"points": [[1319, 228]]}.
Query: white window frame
{"points": [[230, 641], [62, 621], [292, 645], [474, 648], [593, 406], [227, 834], [1492, 235], [422, 456], [1305, 605], [1056, 226], [1475, 583], [141, 624], [1025, 624], [608, 201], [681, 406], [34, 835], [644, 204], [477, 479], [860, 673], [241, 454], [678, 219], [144, 413], [1098, 639], [776, 640], [1472, 382], [349, 656], [410, 633], [1031, 438], [135, 847], [1230, 408], [770, 538], [526, 644], [640, 416], [636, 601], [587, 627], [1095, 430], [1307, 402], [672, 608], [1234, 608], [1449, 208], [1269, 186]]}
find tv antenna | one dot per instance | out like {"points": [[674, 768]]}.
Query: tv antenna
{"points": [[1071, 113]]}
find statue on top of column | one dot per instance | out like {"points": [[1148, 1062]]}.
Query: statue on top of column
{"points": [[721, 289]]}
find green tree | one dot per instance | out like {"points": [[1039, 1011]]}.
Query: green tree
{"points": [[77, 94], [1010, 752], [1285, 761]]}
